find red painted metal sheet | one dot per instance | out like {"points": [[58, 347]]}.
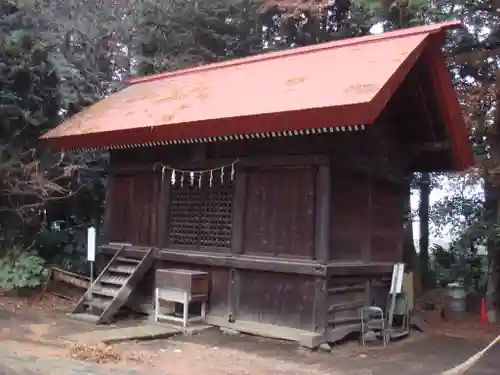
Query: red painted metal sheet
{"points": [[340, 83]]}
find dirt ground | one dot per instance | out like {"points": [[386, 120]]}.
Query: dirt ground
{"points": [[30, 343]]}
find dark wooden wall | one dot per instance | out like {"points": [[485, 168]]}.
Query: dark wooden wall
{"points": [[387, 213], [273, 209], [279, 212], [280, 199], [133, 215], [350, 217], [279, 299], [366, 218], [262, 297]]}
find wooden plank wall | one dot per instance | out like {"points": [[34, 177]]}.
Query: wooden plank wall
{"points": [[350, 216], [366, 219], [274, 214], [134, 200], [279, 212], [274, 298], [386, 242]]}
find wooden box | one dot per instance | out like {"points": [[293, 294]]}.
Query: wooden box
{"points": [[192, 282]]}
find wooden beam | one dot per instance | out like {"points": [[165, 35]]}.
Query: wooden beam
{"points": [[366, 250], [266, 264], [227, 260], [359, 268], [233, 294], [322, 218], [284, 160], [345, 306], [320, 305], [108, 207], [238, 223], [266, 161], [164, 212], [432, 146], [254, 263]]}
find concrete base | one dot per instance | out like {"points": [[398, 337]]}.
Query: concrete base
{"points": [[418, 323], [306, 339], [140, 332]]}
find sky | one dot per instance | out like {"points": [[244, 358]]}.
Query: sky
{"points": [[444, 238]]}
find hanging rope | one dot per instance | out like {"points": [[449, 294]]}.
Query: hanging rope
{"points": [[195, 176]]}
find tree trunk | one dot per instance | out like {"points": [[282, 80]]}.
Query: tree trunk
{"points": [[409, 252], [423, 213]]}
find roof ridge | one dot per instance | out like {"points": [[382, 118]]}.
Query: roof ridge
{"points": [[302, 50]]}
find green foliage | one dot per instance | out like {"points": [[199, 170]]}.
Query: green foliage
{"points": [[64, 246], [180, 34], [460, 214], [20, 270], [28, 82], [459, 264]]}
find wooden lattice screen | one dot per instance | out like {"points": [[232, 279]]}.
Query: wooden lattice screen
{"points": [[200, 217]]}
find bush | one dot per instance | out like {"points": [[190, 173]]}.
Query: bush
{"points": [[21, 270]]}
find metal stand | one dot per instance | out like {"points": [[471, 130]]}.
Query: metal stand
{"points": [[396, 288], [91, 273], [182, 297], [400, 309]]}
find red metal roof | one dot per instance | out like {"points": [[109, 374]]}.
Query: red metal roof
{"points": [[340, 83]]}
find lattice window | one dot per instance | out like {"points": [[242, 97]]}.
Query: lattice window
{"points": [[201, 217]]}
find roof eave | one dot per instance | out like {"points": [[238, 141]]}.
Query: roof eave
{"points": [[299, 122], [451, 111]]}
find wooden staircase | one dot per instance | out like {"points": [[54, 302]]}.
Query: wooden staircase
{"points": [[112, 287]]}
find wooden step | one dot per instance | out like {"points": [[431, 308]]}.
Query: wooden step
{"points": [[128, 260], [97, 305], [113, 280], [105, 291], [122, 269], [113, 286], [135, 275]]}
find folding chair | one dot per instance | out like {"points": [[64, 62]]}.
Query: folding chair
{"points": [[373, 319]]}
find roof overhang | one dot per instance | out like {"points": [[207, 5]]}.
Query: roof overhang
{"points": [[338, 86]]}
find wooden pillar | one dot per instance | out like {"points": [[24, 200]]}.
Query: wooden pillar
{"points": [[322, 245], [108, 207], [163, 212], [322, 219], [366, 251], [237, 240], [233, 294], [320, 305], [238, 223]]}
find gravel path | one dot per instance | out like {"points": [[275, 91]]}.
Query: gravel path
{"points": [[18, 358], [30, 344]]}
